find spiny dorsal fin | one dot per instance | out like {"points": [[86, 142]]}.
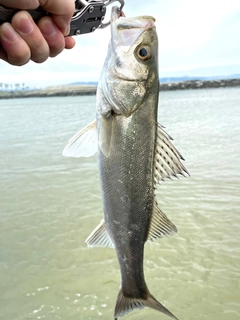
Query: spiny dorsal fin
{"points": [[167, 158], [99, 237], [83, 143], [160, 224]]}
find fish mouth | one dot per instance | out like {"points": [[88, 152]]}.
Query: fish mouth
{"points": [[125, 31]]}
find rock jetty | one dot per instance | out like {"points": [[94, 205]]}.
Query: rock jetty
{"points": [[198, 84], [63, 91]]}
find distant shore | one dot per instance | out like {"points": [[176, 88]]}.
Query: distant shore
{"points": [[63, 91]]}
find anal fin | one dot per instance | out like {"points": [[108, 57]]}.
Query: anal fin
{"points": [[160, 224]]}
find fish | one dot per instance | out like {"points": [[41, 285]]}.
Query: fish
{"points": [[134, 154]]}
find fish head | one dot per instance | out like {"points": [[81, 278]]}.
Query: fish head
{"points": [[131, 66]]}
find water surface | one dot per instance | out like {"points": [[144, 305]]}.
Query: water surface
{"points": [[49, 204]]}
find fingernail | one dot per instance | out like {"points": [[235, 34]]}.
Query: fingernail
{"points": [[25, 25], [48, 28], [8, 32], [67, 31]]}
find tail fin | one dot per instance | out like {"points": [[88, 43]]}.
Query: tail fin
{"points": [[125, 305]]}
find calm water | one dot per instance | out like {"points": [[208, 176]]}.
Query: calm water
{"points": [[49, 204]]}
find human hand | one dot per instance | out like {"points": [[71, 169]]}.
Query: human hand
{"points": [[23, 40]]}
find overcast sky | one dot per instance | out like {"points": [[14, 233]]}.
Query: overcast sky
{"points": [[192, 35]]}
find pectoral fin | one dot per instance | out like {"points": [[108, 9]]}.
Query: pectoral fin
{"points": [[105, 135], [83, 143], [99, 237]]}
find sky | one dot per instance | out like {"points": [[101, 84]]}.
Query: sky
{"points": [[200, 37]]}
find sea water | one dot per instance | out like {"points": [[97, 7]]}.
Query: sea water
{"points": [[49, 205]]}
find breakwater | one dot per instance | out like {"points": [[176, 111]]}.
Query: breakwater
{"points": [[198, 84], [63, 91]]}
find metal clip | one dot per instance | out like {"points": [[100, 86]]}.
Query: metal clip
{"points": [[87, 17]]}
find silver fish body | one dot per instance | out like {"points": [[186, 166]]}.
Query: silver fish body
{"points": [[134, 153]]}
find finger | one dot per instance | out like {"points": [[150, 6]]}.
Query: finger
{"points": [[69, 43], [52, 35], [21, 4], [16, 50], [24, 25], [61, 13]]}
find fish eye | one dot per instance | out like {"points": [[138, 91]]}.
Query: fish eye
{"points": [[144, 53]]}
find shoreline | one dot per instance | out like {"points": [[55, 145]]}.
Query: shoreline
{"points": [[82, 90]]}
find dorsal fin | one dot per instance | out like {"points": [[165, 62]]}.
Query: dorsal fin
{"points": [[99, 237], [167, 158]]}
